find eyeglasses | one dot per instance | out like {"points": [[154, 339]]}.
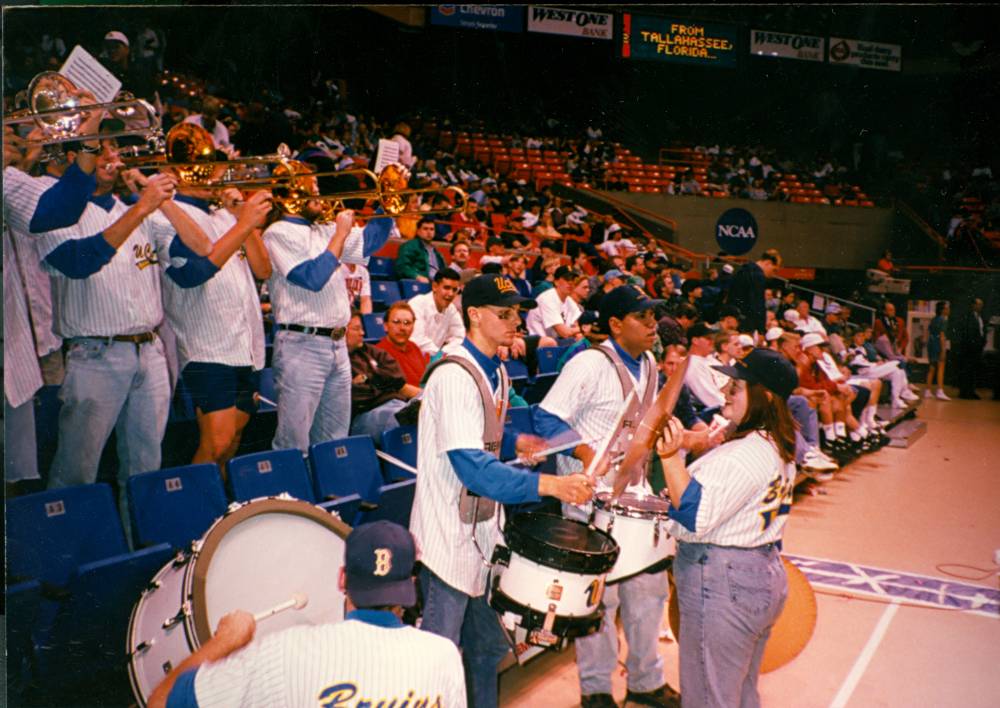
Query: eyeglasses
{"points": [[504, 315], [401, 322]]}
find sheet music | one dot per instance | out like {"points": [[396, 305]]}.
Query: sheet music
{"points": [[388, 153], [84, 70]]}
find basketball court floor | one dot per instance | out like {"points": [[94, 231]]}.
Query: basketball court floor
{"points": [[893, 628]]}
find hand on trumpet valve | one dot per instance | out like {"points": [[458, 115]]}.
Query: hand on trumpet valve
{"points": [[670, 439], [134, 180], [253, 212], [231, 200]]}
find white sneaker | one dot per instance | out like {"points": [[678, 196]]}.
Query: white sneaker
{"points": [[818, 475], [942, 396], [908, 395], [818, 462], [928, 393]]}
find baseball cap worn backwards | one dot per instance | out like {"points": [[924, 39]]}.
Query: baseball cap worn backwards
{"points": [[379, 565], [768, 368]]}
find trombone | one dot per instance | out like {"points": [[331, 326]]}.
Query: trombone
{"points": [[53, 107]]}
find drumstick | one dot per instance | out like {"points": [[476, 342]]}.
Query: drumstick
{"points": [[297, 602], [268, 401], [396, 461], [551, 451], [603, 449]]}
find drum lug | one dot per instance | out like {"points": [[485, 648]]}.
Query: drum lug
{"points": [[233, 507], [181, 615], [611, 523], [501, 556], [550, 618], [153, 586], [143, 647]]}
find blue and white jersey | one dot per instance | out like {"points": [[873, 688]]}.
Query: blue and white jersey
{"points": [[217, 320], [122, 297]]}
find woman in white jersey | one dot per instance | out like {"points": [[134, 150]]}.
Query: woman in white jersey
{"points": [[728, 512]]}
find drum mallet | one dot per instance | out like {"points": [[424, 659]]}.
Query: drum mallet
{"points": [[396, 461], [297, 602]]}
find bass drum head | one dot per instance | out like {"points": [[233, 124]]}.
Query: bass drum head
{"points": [[260, 556], [790, 633]]}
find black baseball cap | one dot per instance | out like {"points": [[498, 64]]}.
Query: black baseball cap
{"points": [[493, 290], [766, 367], [379, 565], [700, 329], [566, 273], [621, 302]]}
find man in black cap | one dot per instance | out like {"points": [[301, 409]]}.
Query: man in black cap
{"points": [[586, 402], [370, 657], [747, 290], [460, 480]]}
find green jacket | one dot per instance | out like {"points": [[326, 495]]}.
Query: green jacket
{"points": [[411, 260]]}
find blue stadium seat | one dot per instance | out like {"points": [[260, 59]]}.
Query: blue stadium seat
{"points": [[394, 504], [548, 359], [536, 390], [385, 292], [269, 473], [175, 505], [519, 421], [374, 325], [346, 466], [401, 443], [50, 533], [347, 508], [409, 288], [267, 391], [380, 268], [22, 601], [518, 373], [84, 643]]}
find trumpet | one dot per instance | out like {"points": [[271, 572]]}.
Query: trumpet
{"points": [[54, 108]]}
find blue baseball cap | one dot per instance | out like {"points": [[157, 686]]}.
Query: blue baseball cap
{"points": [[379, 566], [623, 301], [766, 367]]}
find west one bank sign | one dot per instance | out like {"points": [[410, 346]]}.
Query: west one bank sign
{"points": [[573, 23]]}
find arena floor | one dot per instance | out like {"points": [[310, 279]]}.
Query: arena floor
{"points": [[906, 511]]}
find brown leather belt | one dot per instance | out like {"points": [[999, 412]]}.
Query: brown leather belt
{"points": [[336, 333], [141, 338]]}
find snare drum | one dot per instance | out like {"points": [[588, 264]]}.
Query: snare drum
{"points": [[255, 557], [639, 524], [549, 579]]}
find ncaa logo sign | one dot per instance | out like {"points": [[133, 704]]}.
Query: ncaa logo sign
{"points": [[736, 232]]}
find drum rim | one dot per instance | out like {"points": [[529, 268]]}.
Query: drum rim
{"points": [[602, 502], [254, 507], [569, 560], [130, 637]]}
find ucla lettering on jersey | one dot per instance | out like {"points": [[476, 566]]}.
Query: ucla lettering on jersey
{"points": [[145, 255]]}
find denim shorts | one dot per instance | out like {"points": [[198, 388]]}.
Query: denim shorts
{"points": [[215, 387]]}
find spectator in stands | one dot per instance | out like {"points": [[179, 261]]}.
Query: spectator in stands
{"points": [[495, 252], [728, 318], [673, 329], [806, 323], [835, 407], [690, 184], [356, 276], [209, 120], [516, 265], [863, 360], [136, 77], [890, 334], [609, 281], [379, 389], [937, 350], [418, 259], [532, 215], [546, 228], [399, 323], [970, 338], [401, 136], [459, 256], [554, 316], [885, 263], [438, 322], [547, 250], [700, 377], [746, 293], [834, 328]]}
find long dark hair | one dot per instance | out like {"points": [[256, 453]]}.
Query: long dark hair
{"points": [[769, 413]]}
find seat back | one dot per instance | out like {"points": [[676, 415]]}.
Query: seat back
{"points": [[394, 504], [175, 505], [346, 466], [548, 359], [381, 268], [50, 533], [374, 325], [385, 292], [269, 473], [409, 288], [401, 443], [346, 508], [537, 389]]}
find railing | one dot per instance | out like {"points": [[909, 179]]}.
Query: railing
{"points": [[918, 221], [828, 298]]}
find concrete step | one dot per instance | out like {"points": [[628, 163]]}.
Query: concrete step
{"points": [[907, 432], [894, 415]]}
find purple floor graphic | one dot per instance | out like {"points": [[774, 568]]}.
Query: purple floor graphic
{"points": [[852, 578]]}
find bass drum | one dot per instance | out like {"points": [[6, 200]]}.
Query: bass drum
{"points": [[793, 629], [258, 555]]}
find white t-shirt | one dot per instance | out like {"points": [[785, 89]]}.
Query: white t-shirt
{"points": [[220, 133], [550, 312], [358, 282]]}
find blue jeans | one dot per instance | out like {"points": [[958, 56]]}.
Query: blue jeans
{"points": [[378, 420], [312, 379], [474, 627], [116, 385], [729, 599], [641, 599], [807, 436]]}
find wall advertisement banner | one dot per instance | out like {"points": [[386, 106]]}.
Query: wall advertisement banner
{"points": [[868, 55], [505, 18], [573, 23], [766, 43]]}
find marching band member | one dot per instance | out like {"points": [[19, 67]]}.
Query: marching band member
{"points": [[106, 297], [312, 371], [728, 512], [587, 399], [461, 434]]}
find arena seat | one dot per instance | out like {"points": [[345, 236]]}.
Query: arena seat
{"points": [[401, 443], [267, 390], [381, 268], [346, 466], [536, 390], [269, 473], [22, 601], [410, 288], [374, 325], [347, 508], [394, 504], [78, 649], [385, 292], [548, 359], [50, 533], [518, 373], [175, 505]]}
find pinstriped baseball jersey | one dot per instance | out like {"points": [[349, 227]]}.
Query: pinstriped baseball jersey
{"points": [[123, 297], [21, 376], [746, 494], [588, 397], [451, 418], [21, 194], [218, 321], [351, 663], [290, 244]]}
